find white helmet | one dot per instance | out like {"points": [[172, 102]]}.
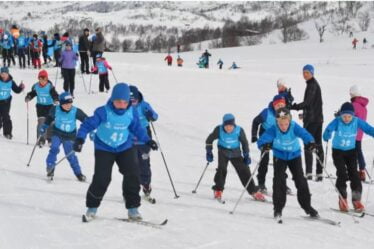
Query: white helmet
{"points": [[281, 82], [355, 91]]}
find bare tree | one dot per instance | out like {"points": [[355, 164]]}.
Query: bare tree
{"points": [[364, 20], [321, 27]]}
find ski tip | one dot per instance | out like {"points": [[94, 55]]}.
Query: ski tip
{"points": [[164, 222], [193, 191]]}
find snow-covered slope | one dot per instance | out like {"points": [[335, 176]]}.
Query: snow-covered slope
{"points": [[190, 102]]}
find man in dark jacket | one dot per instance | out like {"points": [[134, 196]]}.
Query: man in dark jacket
{"points": [[98, 44], [313, 119], [83, 51]]}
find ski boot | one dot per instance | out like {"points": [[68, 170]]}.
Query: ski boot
{"points": [[89, 215], [319, 178], [313, 213], [358, 206], [343, 205], [309, 176], [8, 136], [81, 177], [147, 194], [258, 196], [134, 214], [41, 142], [262, 189], [278, 217], [218, 194], [50, 173]]}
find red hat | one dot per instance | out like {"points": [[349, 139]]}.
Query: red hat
{"points": [[279, 99], [43, 73]]}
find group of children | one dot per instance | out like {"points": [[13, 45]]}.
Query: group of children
{"points": [[279, 133]]}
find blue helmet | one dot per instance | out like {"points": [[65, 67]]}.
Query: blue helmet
{"points": [[65, 98]]}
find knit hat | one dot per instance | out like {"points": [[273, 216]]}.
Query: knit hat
{"points": [[309, 68], [86, 29], [43, 73], [121, 91], [134, 93], [355, 91], [347, 108], [65, 98], [281, 82], [228, 119], [278, 99], [4, 70], [284, 112]]}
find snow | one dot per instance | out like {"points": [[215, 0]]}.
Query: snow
{"points": [[191, 102]]}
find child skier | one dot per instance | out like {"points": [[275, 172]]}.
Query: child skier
{"points": [[22, 44], [36, 46], [230, 136], [234, 66], [46, 96], [285, 92], [102, 67], [7, 85], [282, 138], [359, 103], [63, 132], [266, 119], [146, 114], [345, 128], [68, 62], [180, 61], [116, 123], [220, 63], [7, 47]]}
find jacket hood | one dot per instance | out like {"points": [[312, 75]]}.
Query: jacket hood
{"points": [[360, 100]]}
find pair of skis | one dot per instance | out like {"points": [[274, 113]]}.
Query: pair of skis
{"points": [[86, 219]]}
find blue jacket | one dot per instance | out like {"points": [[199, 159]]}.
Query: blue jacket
{"points": [[345, 134], [276, 137], [266, 119], [100, 116]]}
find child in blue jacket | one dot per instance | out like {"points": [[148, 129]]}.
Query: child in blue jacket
{"points": [[63, 132], [345, 128], [230, 136], [146, 114], [283, 139], [115, 123]]}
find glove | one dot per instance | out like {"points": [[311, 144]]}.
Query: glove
{"points": [[152, 144], [209, 156], [267, 147], [294, 106], [312, 147], [43, 129], [27, 98], [254, 139], [247, 160], [92, 135], [22, 86], [78, 144], [149, 115]]}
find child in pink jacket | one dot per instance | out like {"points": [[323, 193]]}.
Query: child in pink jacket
{"points": [[102, 67], [359, 104]]}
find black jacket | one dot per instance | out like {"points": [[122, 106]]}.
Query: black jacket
{"points": [[312, 104], [84, 44], [229, 153]]}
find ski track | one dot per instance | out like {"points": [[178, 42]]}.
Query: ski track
{"points": [[191, 102]]}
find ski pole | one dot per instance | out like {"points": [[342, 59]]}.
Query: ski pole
{"points": [[62, 159], [27, 124], [114, 76], [84, 83], [249, 181], [201, 177], [89, 87], [163, 158], [33, 150], [336, 189], [369, 175], [56, 76], [367, 196]]}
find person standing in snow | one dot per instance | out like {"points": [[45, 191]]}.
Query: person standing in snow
{"points": [[230, 136], [169, 59], [116, 123], [345, 128], [266, 119], [359, 104], [220, 63], [98, 44], [206, 55], [146, 114], [283, 139], [180, 61], [46, 97], [7, 47], [7, 85], [102, 67], [285, 92], [354, 43], [63, 118], [68, 62], [312, 119], [22, 44], [84, 46]]}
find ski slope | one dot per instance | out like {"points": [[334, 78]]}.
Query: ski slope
{"points": [[36, 214]]}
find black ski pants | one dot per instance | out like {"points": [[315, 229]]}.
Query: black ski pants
{"points": [[241, 169], [69, 79], [279, 184], [127, 162], [315, 129], [84, 62], [346, 169], [5, 117], [104, 81]]}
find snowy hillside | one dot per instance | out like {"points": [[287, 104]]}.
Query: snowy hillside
{"points": [[191, 102]]}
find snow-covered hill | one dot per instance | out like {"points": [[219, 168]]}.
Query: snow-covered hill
{"points": [[190, 101]]}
